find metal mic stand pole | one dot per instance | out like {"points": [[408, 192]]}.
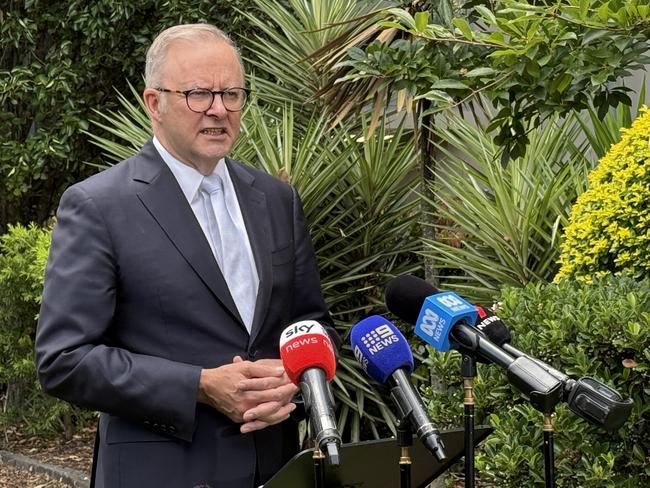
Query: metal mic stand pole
{"points": [[468, 371], [404, 441], [319, 468], [549, 458]]}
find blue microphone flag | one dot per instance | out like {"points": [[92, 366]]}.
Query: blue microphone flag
{"points": [[439, 313], [380, 348]]}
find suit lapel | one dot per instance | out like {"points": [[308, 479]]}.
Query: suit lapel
{"points": [[253, 206], [166, 203]]}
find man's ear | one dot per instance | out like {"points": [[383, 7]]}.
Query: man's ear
{"points": [[153, 103]]}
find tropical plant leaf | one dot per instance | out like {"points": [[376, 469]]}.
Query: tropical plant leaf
{"points": [[603, 133], [131, 126], [497, 225]]}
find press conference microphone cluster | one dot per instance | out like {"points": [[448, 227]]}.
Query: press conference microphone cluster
{"points": [[445, 321], [309, 360], [586, 397], [384, 354]]}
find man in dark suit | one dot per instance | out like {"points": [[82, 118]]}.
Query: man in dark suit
{"points": [[165, 294]]}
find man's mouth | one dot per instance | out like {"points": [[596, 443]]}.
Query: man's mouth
{"points": [[213, 131]]}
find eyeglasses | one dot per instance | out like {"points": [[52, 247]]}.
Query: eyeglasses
{"points": [[200, 100]]}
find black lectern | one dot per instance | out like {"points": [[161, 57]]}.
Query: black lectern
{"points": [[375, 464]]}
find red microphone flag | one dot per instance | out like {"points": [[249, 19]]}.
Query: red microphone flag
{"points": [[304, 345]]}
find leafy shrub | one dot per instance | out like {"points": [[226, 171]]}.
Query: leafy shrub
{"points": [[23, 252], [23, 255], [600, 330], [609, 231]]}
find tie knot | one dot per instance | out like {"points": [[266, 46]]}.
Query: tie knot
{"points": [[211, 184]]}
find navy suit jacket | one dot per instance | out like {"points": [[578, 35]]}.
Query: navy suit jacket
{"points": [[134, 306]]}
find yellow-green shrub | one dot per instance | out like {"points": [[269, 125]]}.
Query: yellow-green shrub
{"points": [[609, 229]]}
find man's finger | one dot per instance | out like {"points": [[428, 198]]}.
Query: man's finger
{"points": [[269, 408], [259, 369], [277, 416], [282, 394], [257, 384]]}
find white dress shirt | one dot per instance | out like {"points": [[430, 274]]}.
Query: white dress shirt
{"points": [[189, 179]]}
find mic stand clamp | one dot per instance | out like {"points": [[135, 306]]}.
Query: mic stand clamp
{"points": [[549, 459], [468, 372], [319, 467], [404, 441]]}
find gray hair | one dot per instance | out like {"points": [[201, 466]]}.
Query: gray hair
{"points": [[188, 32]]}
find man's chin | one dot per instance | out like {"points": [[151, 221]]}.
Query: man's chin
{"points": [[210, 158]]}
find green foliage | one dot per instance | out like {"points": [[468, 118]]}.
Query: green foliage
{"points": [[603, 133], [23, 254], [609, 230], [497, 225], [131, 125], [58, 62], [600, 330], [360, 212], [362, 220], [286, 37], [532, 59]]}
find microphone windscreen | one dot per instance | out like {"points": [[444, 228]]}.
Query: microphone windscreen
{"points": [[492, 326], [380, 348], [405, 294], [306, 345], [433, 312]]}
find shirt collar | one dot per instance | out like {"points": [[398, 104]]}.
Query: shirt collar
{"points": [[189, 179]]}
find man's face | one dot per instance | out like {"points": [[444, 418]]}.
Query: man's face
{"points": [[196, 139]]}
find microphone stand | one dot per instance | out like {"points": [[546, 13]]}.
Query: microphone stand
{"points": [[549, 458], [319, 467], [404, 441], [468, 371]]}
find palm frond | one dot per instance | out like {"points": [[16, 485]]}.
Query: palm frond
{"points": [[294, 32], [131, 126]]}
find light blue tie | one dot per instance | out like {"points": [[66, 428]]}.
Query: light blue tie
{"points": [[229, 248]]}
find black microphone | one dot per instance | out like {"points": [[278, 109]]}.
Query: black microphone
{"points": [[445, 321], [587, 397]]}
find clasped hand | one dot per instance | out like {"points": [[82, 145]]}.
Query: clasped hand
{"points": [[256, 394]]}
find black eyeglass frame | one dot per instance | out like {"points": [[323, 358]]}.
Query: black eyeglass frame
{"points": [[214, 93]]}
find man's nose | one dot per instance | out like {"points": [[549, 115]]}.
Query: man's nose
{"points": [[217, 108]]}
